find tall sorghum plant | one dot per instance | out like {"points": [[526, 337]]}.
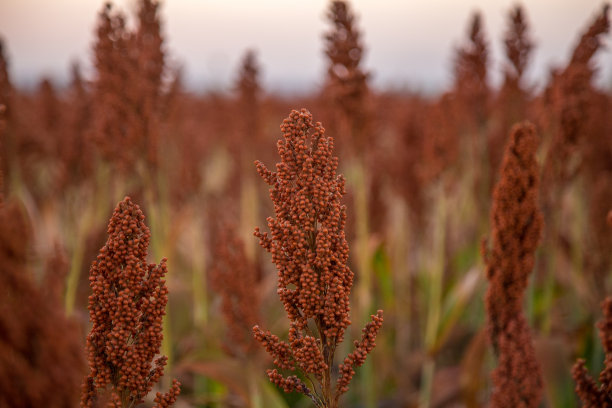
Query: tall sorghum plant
{"points": [[310, 251], [570, 105], [126, 308], [596, 150], [568, 97], [516, 223]]}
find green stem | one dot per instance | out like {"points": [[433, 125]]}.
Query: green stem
{"points": [[198, 278], [160, 223], [93, 211], [427, 383], [76, 262], [436, 273], [435, 280], [249, 209], [364, 289]]}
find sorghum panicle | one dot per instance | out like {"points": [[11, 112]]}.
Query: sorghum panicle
{"points": [[362, 349], [147, 45], [234, 277], [77, 152], [471, 71], [591, 394], [576, 116], [516, 229], [518, 44], [127, 88], [511, 102], [112, 119], [596, 163], [126, 308], [310, 251], [6, 96], [41, 356], [591, 40], [347, 81], [570, 95], [249, 91], [6, 88], [345, 51]]}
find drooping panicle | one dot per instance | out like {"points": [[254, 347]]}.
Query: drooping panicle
{"points": [[126, 309], [516, 223]]}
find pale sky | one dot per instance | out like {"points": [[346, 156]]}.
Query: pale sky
{"points": [[409, 43]]}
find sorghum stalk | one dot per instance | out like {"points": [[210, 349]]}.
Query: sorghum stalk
{"points": [[435, 286], [310, 251]]}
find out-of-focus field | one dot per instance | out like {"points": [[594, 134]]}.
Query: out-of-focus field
{"points": [[420, 173]]}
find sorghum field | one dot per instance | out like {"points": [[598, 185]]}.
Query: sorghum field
{"points": [[381, 249]]}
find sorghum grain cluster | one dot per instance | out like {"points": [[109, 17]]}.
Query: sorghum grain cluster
{"points": [[310, 251], [126, 308], [516, 229]]}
